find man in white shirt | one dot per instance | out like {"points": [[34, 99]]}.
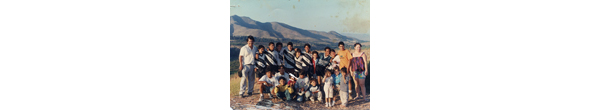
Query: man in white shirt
{"points": [[246, 59]]}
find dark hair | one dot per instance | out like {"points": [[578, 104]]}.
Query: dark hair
{"points": [[298, 73], [271, 43], [313, 80], [278, 44], [315, 52], [331, 50], [261, 47], [250, 37], [341, 43], [344, 69], [296, 49], [307, 45], [327, 48], [357, 44], [281, 78], [271, 69], [290, 43]]}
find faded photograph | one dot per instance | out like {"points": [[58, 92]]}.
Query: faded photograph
{"points": [[299, 54]]}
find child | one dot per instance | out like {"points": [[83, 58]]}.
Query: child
{"points": [[336, 82], [260, 64], [328, 88], [267, 82], [282, 90], [301, 86], [314, 91], [344, 79], [298, 60], [315, 74]]}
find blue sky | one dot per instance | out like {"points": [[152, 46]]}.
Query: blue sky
{"points": [[343, 16]]}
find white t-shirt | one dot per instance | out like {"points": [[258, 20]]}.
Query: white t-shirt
{"points": [[336, 59], [248, 54], [302, 83], [284, 75], [272, 80]]}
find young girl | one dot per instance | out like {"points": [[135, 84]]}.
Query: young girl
{"points": [[358, 67], [328, 88]]}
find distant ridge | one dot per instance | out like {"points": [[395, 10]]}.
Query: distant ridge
{"points": [[243, 26]]}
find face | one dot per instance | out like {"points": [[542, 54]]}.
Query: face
{"points": [[271, 47], [315, 55], [301, 75], [250, 42], [279, 48], [282, 81], [290, 47], [336, 72], [297, 54], [332, 54], [327, 52], [261, 50], [357, 47], [313, 83], [269, 75], [307, 48], [341, 47]]}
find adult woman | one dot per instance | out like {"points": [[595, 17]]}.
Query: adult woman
{"points": [[358, 67]]}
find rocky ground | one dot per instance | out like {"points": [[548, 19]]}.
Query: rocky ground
{"points": [[250, 103]]}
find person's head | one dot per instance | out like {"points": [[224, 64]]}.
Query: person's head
{"points": [[261, 49], [281, 80], [313, 82], [315, 54], [327, 50], [300, 75], [336, 71], [327, 73], [332, 53], [341, 45], [307, 47], [281, 69], [250, 40], [357, 47], [297, 49], [297, 53], [290, 46], [344, 71], [278, 46], [271, 46], [269, 73]]}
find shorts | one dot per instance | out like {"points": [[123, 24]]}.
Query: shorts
{"points": [[361, 74], [259, 73], [268, 89], [320, 70]]}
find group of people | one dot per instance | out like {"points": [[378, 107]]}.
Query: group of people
{"points": [[292, 74]]}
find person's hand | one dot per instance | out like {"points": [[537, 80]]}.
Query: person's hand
{"points": [[366, 73], [240, 67]]}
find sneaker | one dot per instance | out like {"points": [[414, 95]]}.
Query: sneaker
{"points": [[326, 104], [249, 93], [332, 104], [260, 99], [241, 95]]}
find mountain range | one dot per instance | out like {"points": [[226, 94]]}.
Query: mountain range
{"points": [[244, 26]]}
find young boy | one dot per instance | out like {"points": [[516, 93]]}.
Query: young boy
{"points": [[336, 83], [283, 91], [301, 86], [323, 63], [314, 91], [328, 88], [344, 79], [260, 64], [267, 82], [315, 74]]}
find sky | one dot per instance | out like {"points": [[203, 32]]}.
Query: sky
{"points": [[342, 16]]}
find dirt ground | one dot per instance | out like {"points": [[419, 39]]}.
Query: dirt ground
{"points": [[249, 103]]}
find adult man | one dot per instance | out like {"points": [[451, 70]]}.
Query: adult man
{"points": [[246, 59], [345, 57]]}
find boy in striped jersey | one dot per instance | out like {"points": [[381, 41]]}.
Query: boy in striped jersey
{"points": [[260, 65], [289, 62], [272, 56], [307, 59]]}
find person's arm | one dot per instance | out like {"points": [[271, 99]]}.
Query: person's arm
{"points": [[241, 58], [276, 89], [364, 56]]}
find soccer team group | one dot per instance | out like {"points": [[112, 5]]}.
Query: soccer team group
{"points": [[292, 74]]}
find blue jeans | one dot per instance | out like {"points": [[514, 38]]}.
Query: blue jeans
{"points": [[284, 95]]}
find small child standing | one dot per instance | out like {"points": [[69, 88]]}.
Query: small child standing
{"points": [[328, 88], [314, 91], [344, 78]]}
